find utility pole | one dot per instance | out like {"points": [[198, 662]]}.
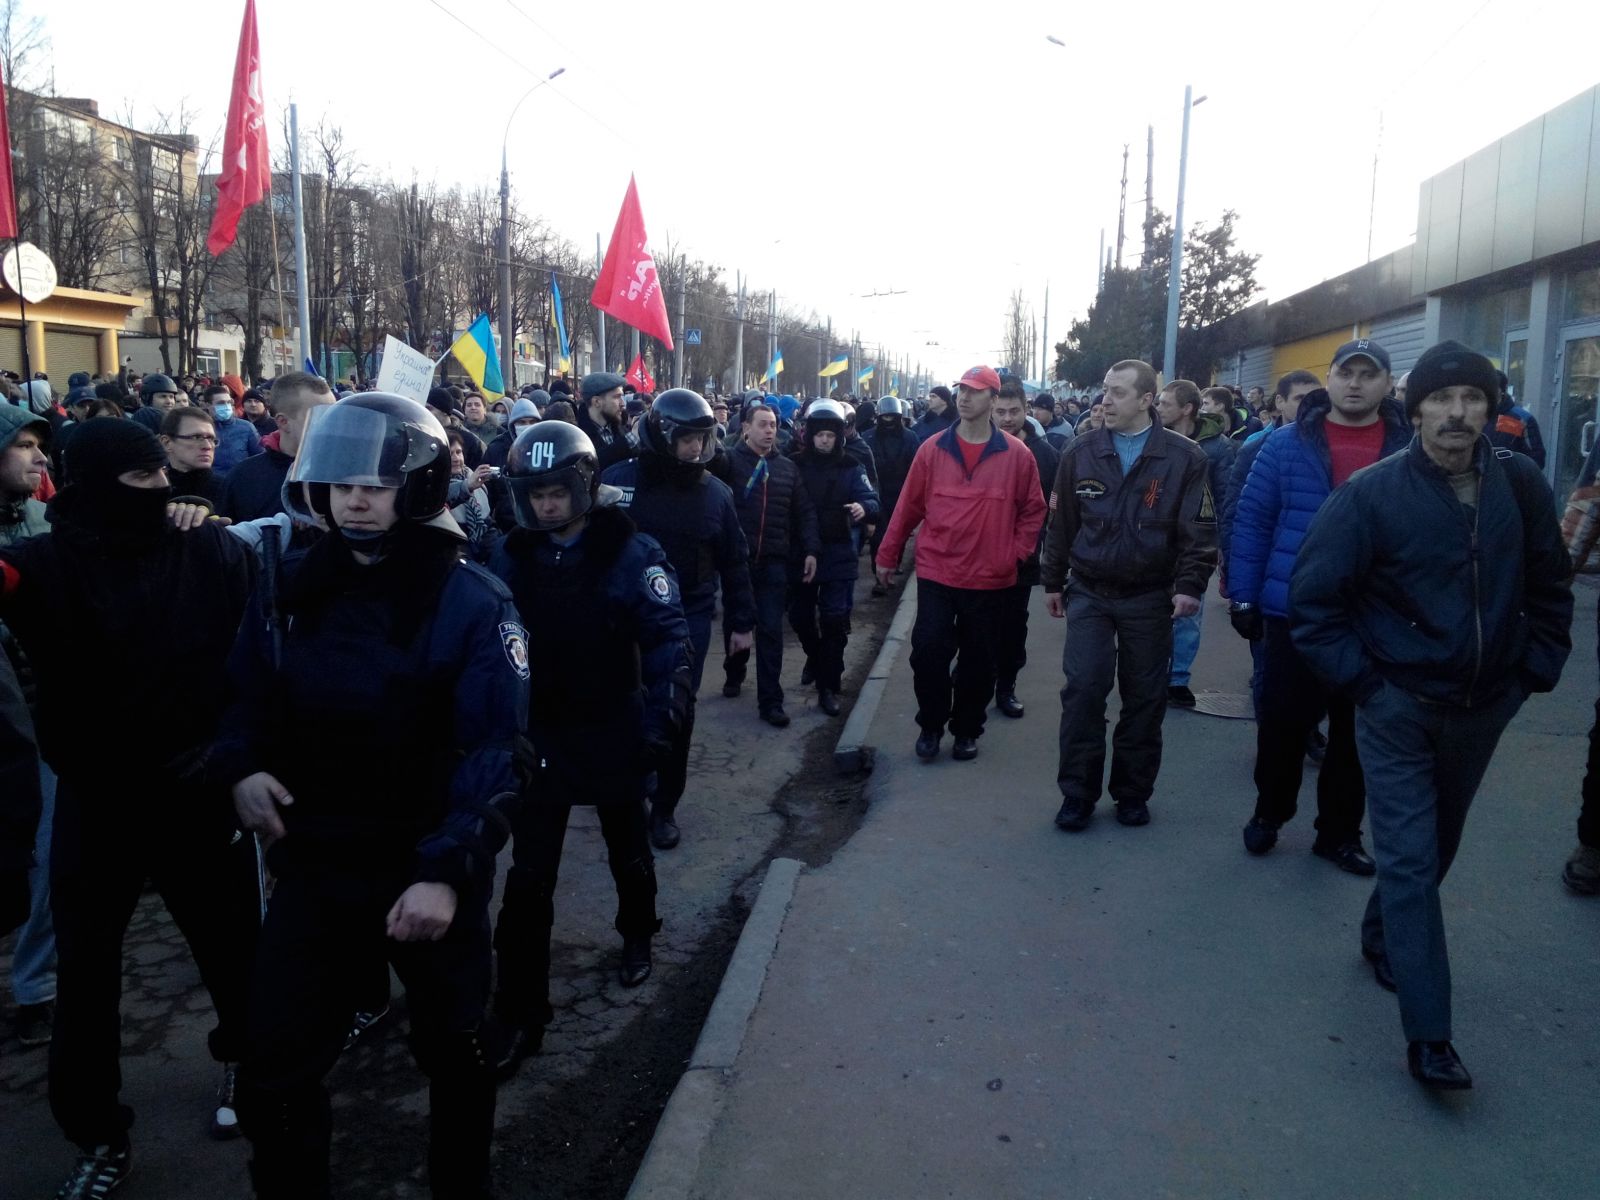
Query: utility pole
{"points": [[302, 302], [599, 315], [1045, 357], [1122, 206], [772, 331], [1099, 270], [508, 360], [822, 359], [1169, 359], [738, 336], [1149, 189], [677, 340]]}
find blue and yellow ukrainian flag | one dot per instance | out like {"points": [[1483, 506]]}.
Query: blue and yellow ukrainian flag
{"points": [[837, 365], [864, 374], [773, 368], [475, 351], [558, 318]]}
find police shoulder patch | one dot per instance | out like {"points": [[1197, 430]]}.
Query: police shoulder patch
{"points": [[658, 583], [514, 639]]}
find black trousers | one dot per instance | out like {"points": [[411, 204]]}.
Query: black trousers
{"points": [[1589, 815], [108, 838], [953, 624], [324, 932], [819, 614], [1292, 703], [770, 580], [672, 776], [522, 936], [1011, 633], [1124, 641]]}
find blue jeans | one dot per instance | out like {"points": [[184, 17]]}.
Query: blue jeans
{"points": [[33, 963], [1185, 645], [1423, 764]]}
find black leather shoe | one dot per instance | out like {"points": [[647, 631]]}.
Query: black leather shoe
{"points": [[1008, 704], [1380, 969], [1074, 816], [636, 963], [1437, 1065], [928, 746], [965, 749], [776, 717], [1347, 856], [522, 1041], [1134, 812], [828, 702], [1180, 697], [1260, 836], [808, 674], [663, 830], [731, 689]]}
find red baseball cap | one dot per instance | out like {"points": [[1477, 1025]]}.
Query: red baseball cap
{"points": [[981, 378]]}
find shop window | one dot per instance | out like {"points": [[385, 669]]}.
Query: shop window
{"points": [[1582, 298]]}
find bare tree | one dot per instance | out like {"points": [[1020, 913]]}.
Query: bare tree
{"points": [[1016, 340]]}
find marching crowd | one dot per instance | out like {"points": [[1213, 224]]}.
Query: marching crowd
{"points": [[357, 644]]}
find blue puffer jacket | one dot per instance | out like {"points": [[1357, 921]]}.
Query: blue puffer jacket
{"points": [[1291, 478]]}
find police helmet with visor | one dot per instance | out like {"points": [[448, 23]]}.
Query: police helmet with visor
{"points": [[548, 454]]}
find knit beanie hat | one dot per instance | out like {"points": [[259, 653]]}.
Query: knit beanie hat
{"points": [[105, 447], [1450, 364]]}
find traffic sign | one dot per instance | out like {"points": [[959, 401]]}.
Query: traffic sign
{"points": [[691, 337]]}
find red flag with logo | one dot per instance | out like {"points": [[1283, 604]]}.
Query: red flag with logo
{"points": [[246, 162], [639, 377], [8, 191], [628, 287]]}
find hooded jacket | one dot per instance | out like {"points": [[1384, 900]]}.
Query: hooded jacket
{"points": [[1401, 583], [1290, 481]]}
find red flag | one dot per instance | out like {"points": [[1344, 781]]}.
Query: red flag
{"points": [[8, 191], [639, 377], [246, 163], [627, 286]]}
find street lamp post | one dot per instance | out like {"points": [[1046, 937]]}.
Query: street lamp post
{"points": [[508, 359], [1169, 356]]}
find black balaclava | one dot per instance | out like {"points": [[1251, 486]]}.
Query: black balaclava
{"points": [[102, 449]]}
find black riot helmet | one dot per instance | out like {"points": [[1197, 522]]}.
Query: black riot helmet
{"points": [[891, 412], [678, 413], [152, 385], [826, 415], [376, 439], [549, 453]]}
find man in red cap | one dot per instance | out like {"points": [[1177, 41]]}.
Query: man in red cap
{"points": [[975, 492]]}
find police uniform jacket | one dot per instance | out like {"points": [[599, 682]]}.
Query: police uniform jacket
{"points": [[390, 700], [608, 649], [698, 526], [1155, 527], [833, 481], [893, 452]]}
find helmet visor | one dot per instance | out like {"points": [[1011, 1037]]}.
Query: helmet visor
{"points": [[350, 445]]}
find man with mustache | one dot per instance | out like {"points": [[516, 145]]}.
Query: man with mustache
{"points": [[1434, 592]]}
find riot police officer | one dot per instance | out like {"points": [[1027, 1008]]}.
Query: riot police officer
{"points": [[610, 693], [819, 608], [380, 691], [670, 496]]}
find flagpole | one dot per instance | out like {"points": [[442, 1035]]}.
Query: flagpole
{"points": [[599, 313], [277, 273], [303, 304]]}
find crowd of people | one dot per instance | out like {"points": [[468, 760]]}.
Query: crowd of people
{"points": [[391, 638]]}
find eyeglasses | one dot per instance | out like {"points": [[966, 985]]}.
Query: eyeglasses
{"points": [[208, 438]]}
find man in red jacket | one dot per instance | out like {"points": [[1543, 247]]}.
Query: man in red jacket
{"points": [[975, 492]]}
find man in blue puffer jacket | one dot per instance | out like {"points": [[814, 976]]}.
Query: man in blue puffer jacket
{"points": [[1336, 433]]}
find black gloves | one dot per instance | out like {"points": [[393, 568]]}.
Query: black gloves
{"points": [[1246, 621]]}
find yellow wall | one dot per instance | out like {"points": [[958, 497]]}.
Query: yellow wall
{"points": [[1314, 354], [103, 313]]}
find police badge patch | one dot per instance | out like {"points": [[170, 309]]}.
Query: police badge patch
{"points": [[515, 640], [659, 584]]}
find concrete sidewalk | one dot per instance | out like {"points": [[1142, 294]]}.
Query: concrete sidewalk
{"points": [[967, 1002]]}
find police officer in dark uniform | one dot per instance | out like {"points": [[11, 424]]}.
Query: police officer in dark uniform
{"points": [[819, 607], [893, 447], [671, 497], [380, 704], [611, 689]]}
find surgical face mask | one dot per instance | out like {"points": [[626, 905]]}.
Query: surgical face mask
{"points": [[499, 418], [223, 411]]}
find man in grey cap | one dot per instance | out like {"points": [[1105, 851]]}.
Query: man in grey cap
{"points": [[1433, 591], [600, 416]]}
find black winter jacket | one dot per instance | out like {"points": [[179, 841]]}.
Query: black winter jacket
{"points": [[1398, 582], [775, 512], [893, 451]]}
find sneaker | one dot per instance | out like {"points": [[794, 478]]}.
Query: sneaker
{"points": [[1260, 835], [1582, 872], [362, 1024], [1180, 697], [35, 1023], [97, 1174], [225, 1121], [1347, 856]]}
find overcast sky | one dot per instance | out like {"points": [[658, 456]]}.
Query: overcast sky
{"points": [[831, 150]]}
